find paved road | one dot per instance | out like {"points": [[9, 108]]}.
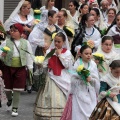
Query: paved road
{"points": [[25, 110]]}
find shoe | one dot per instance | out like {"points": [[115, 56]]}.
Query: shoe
{"points": [[14, 112]]}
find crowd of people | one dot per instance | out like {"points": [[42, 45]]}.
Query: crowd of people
{"points": [[79, 76]]}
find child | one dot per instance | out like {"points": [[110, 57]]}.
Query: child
{"points": [[107, 108], [51, 100], [107, 49], [15, 60], [83, 97]]}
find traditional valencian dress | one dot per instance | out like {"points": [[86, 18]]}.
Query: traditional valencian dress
{"points": [[115, 33], [108, 58], [83, 98], [15, 18], [107, 109], [92, 34], [51, 100]]}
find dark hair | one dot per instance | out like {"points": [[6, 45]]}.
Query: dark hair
{"points": [[75, 3], [85, 18], [82, 6], [79, 33], [107, 38], [60, 34], [96, 11], [84, 47], [64, 13], [115, 64], [51, 13], [114, 22]]}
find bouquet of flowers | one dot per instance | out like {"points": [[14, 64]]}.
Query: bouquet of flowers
{"points": [[83, 72], [100, 58], [89, 43], [5, 49], [38, 60], [53, 36], [69, 32]]}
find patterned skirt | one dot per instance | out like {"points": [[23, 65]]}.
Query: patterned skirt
{"points": [[50, 102], [104, 111]]}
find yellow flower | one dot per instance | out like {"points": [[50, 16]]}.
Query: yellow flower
{"points": [[53, 35], [71, 30], [99, 55], [80, 68], [36, 21], [39, 59], [37, 11], [6, 48], [90, 43]]}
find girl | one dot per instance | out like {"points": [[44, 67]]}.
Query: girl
{"points": [[51, 100], [107, 49], [114, 31], [83, 97], [14, 72], [108, 108]]}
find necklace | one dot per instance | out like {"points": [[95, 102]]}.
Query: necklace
{"points": [[91, 33]]}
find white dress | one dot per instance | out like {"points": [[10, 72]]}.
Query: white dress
{"points": [[84, 98], [16, 19], [92, 34]]}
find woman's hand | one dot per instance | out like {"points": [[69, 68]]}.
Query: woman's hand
{"points": [[96, 61], [58, 51]]}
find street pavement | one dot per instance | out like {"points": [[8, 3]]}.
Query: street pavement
{"points": [[25, 109]]}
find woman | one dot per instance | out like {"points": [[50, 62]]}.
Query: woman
{"points": [[73, 12], [22, 15], [86, 32], [84, 9], [49, 5], [51, 100], [99, 22], [111, 13], [42, 33], [114, 31]]}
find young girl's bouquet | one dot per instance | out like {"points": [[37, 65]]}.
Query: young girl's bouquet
{"points": [[100, 58], [83, 72]]}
